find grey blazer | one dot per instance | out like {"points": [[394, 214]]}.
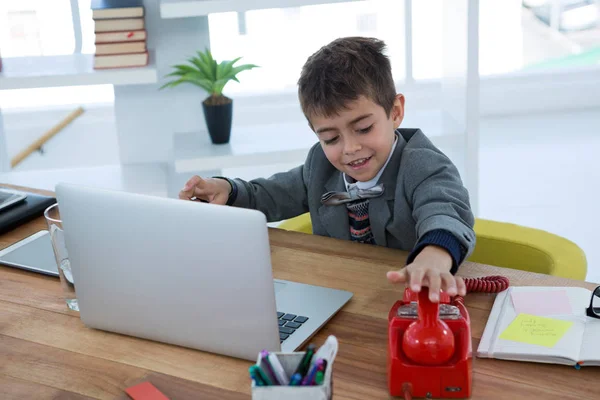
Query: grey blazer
{"points": [[422, 192]]}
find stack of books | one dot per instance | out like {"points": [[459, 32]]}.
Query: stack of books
{"points": [[120, 34]]}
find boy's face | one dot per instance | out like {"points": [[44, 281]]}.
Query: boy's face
{"points": [[358, 140]]}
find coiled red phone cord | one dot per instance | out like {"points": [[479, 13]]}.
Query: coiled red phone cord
{"points": [[487, 284]]}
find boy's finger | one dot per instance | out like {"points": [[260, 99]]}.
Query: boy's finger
{"points": [[449, 284], [416, 280], [397, 276], [192, 182], [187, 192], [183, 195], [195, 187], [201, 196], [435, 282], [460, 286], [201, 192]]}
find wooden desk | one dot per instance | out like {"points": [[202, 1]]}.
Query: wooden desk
{"points": [[46, 352]]}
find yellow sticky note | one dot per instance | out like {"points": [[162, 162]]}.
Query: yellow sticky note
{"points": [[532, 329]]}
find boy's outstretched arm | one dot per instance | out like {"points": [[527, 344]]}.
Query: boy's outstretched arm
{"points": [[282, 196], [444, 223], [279, 197]]}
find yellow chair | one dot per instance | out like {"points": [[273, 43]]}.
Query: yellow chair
{"points": [[507, 245]]}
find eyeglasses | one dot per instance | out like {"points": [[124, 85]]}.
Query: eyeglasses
{"points": [[594, 309]]}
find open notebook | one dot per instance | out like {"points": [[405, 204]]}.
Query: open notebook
{"points": [[542, 324]]}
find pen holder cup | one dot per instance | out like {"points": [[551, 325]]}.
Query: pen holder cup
{"points": [[289, 362]]}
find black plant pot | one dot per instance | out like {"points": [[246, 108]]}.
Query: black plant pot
{"points": [[218, 121]]}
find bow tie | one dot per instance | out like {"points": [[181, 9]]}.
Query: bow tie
{"points": [[353, 193]]}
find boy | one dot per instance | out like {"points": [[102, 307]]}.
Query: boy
{"points": [[366, 180]]}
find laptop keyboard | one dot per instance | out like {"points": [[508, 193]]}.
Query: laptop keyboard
{"points": [[288, 323]]}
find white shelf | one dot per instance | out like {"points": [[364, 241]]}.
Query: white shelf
{"points": [[68, 70], [197, 8], [249, 146], [261, 145], [149, 178]]}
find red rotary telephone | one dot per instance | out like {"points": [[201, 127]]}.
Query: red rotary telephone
{"points": [[429, 349]]}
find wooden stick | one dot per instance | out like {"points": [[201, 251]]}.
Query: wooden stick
{"points": [[38, 143]]}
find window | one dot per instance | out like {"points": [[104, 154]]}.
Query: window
{"points": [[281, 39], [21, 27], [36, 27], [45, 28], [571, 39], [513, 36]]}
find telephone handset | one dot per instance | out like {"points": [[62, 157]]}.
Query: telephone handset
{"points": [[429, 350], [428, 340]]}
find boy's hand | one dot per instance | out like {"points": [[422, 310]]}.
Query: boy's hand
{"points": [[430, 268], [212, 190]]}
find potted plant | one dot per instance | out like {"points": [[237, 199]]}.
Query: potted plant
{"points": [[204, 72]]}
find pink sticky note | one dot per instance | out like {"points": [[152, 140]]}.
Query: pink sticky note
{"points": [[546, 302]]}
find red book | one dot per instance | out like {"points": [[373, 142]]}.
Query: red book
{"points": [[120, 36]]}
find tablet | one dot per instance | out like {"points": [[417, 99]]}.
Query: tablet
{"points": [[10, 197], [34, 253]]}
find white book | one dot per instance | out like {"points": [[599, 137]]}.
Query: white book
{"points": [[121, 48], [116, 25], [577, 343], [120, 60]]}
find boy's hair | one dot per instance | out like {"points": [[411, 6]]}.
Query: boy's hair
{"points": [[342, 71]]}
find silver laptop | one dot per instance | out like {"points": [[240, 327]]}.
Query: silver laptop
{"points": [[188, 273]]}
